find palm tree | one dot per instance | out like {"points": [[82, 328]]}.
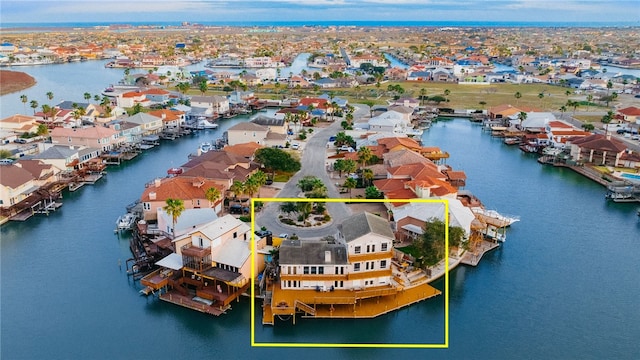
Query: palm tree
{"points": [[367, 176], [517, 95], [522, 116], [563, 109], [34, 105], [46, 111], [446, 93], [364, 155], [260, 178], [87, 96], [49, 95], [96, 97], [541, 96], [212, 194], [24, 100], [423, 92], [251, 186], [174, 208], [350, 183], [237, 188], [606, 119]]}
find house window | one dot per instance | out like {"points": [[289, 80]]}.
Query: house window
{"points": [[356, 267], [235, 234], [306, 270], [373, 248], [366, 266], [383, 264], [313, 270], [321, 270], [198, 202], [357, 250], [367, 248], [384, 247], [147, 206]]}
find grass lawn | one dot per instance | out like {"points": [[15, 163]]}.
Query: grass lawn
{"points": [[411, 250], [282, 177]]}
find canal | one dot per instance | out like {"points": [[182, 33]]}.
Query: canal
{"points": [[564, 285]]}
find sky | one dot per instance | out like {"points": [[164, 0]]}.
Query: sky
{"points": [[154, 11]]}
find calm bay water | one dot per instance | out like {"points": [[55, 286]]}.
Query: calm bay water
{"points": [[564, 285]]}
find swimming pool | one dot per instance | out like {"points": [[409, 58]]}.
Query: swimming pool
{"points": [[633, 177]]}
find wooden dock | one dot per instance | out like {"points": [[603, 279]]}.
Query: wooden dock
{"points": [[473, 258]]}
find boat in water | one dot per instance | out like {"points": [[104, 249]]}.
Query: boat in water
{"points": [[205, 147], [126, 222], [505, 219], [206, 125], [174, 171]]}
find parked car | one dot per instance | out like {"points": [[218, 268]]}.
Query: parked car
{"points": [[263, 233], [268, 182], [332, 138], [20, 141], [283, 236], [346, 148], [295, 146], [238, 209]]}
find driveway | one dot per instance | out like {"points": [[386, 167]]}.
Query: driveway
{"points": [[313, 163]]}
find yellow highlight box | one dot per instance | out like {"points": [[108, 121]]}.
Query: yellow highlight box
{"points": [[353, 345]]}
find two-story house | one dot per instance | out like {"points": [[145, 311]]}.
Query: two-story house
{"points": [[210, 268], [94, 136]]}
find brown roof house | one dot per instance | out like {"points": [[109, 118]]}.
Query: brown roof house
{"points": [[597, 149]]}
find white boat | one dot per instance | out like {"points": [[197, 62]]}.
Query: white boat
{"points": [[206, 124], [205, 147], [508, 219], [126, 221]]}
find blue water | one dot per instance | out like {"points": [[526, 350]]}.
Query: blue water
{"points": [[564, 285]]}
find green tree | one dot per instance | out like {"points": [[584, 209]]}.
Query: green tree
{"points": [[43, 130], [370, 104], [174, 208], [212, 194], [364, 155], [87, 96], [430, 246], [237, 188], [588, 127], [277, 160], [371, 192], [203, 86], [349, 166], [5, 154], [251, 186], [517, 95], [24, 100], [367, 176], [34, 105], [288, 207], [350, 183], [137, 108], [606, 120]]}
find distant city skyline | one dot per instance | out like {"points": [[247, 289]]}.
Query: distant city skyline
{"points": [[114, 11]]}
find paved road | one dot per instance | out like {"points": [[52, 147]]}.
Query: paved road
{"points": [[313, 163]]}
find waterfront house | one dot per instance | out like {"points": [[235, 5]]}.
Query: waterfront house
{"points": [[221, 167], [503, 111], [631, 160], [171, 119], [213, 104], [94, 136], [251, 132], [187, 221], [16, 184], [597, 149], [44, 174], [350, 275], [149, 124], [66, 158], [157, 96], [131, 98], [210, 268], [191, 190], [246, 150], [275, 125]]}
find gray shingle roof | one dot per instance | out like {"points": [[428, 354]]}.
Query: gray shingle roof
{"points": [[361, 224], [312, 252]]}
